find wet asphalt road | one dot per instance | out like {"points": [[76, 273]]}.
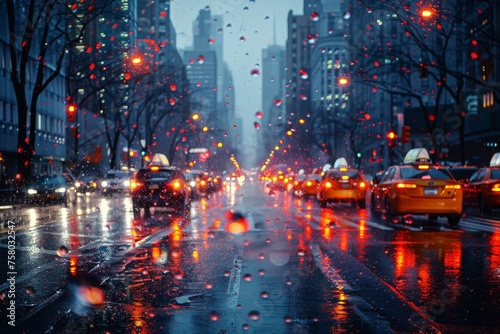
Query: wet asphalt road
{"points": [[247, 262]]}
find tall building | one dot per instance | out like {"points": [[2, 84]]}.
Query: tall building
{"points": [[273, 87]]}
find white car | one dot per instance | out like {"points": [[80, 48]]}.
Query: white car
{"points": [[116, 181]]}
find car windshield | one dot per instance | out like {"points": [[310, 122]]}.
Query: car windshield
{"points": [[431, 173]]}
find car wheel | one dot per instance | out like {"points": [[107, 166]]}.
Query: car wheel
{"points": [[453, 220], [137, 210], [483, 208], [373, 207], [389, 216], [362, 203]]}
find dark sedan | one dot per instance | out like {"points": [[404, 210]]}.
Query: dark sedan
{"points": [[51, 188]]}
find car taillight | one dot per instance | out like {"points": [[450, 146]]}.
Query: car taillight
{"points": [[176, 184], [452, 186], [328, 184], [202, 182], [362, 184], [406, 185], [309, 183], [134, 185], [496, 187]]}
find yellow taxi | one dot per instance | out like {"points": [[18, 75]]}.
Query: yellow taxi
{"points": [[310, 184], [483, 188], [342, 184], [417, 187]]}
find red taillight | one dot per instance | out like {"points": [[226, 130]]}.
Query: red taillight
{"points": [[496, 187], [452, 186], [362, 184], [177, 184], [328, 184], [134, 185], [406, 185], [309, 183]]}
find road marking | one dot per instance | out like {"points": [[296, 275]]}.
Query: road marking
{"points": [[233, 288]]}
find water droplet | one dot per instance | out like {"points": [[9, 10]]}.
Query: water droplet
{"points": [[243, 38], [247, 277], [259, 114], [62, 251], [245, 8], [264, 294], [211, 40], [287, 319], [300, 252], [278, 102], [179, 275], [246, 242], [347, 15], [254, 315], [314, 16], [201, 59], [268, 240], [262, 256], [30, 291], [214, 316], [303, 97], [245, 327], [227, 273], [303, 74], [255, 72], [256, 125], [261, 272], [288, 282], [208, 285]]}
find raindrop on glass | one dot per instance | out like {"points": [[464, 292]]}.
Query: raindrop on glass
{"points": [[268, 240], [256, 125], [261, 272], [254, 315], [314, 16], [201, 59], [303, 74], [30, 291], [287, 319], [243, 38], [247, 277], [278, 102], [264, 294], [262, 256], [259, 114], [62, 251], [255, 72], [227, 273], [214, 316]]}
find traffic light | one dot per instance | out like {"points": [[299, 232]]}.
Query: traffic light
{"points": [[424, 70], [143, 152], [406, 134], [391, 138], [71, 113]]}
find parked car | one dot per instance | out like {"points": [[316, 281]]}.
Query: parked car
{"points": [[160, 185], [116, 181], [51, 188]]}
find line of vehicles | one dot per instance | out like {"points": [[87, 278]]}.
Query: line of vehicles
{"points": [[415, 187], [157, 185]]}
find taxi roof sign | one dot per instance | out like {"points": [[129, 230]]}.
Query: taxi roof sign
{"points": [[160, 159], [495, 160], [340, 163], [417, 156]]}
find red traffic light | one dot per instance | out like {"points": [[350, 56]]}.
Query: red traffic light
{"points": [[405, 134], [71, 113]]}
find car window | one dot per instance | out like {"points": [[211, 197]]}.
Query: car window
{"points": [[163, 174], [431, 173], [495, 174], [462, 174], [388, 176]]}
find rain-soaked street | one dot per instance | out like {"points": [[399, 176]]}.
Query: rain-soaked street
{"points": [[247, 261]]}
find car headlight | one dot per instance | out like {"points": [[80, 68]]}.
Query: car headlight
{"points": [[32, 192], [126, 183], [192, 184], [78, 184], [104, 183], [60, 190]]}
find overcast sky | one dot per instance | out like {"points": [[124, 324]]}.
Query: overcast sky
{"points": [[253, 19]]}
